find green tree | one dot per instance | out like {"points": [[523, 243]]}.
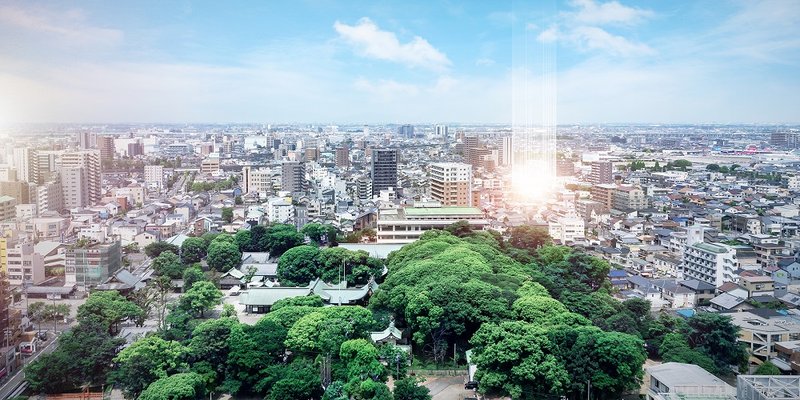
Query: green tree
{"points": [[191, 276], [83, 356], [280, 238], [716, 336], [298, 266], [223, 255], [244, 239], [325, 329], [300, 379], [529, 238], [110, 308], [768, 368], [145, 361], [356, 267], [155, 249], [202, 296], [238, 200], [227, 214], [517, 359], [182, 386], [168, 264], [410, 389], [460, 229], [315, 232], [193, 250], [304, 301], [713, 167], [675, 348]]}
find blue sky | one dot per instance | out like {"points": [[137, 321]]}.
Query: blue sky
{"points": [[403, 61]]}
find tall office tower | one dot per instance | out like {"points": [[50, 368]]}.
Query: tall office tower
{"points": [[441, 131], [342, 157], [507, 154], [86, 140], [451, 184], [90, 177], [154, 176], [293, 177], [25, 162], [106, 146], [406, 131], [602, 173], [384, 169]]}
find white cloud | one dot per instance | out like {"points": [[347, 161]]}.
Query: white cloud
{"points": [[548, 35], [582, 30], [69, 27], [593, 13], [594, 38], [370, 41], [485, 62]]}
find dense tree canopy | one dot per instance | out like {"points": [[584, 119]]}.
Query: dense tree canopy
{"points": [[182, 386], [155, 249], [193, 250], [145, 361], [108, 307], [168, 264], [298, 266], [223, 254], [83, 356]]}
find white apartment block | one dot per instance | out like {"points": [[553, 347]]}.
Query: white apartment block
{"points": [[154, 177], [710, 263]]}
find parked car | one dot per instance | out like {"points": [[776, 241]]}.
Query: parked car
{"points": [[472, 385]]}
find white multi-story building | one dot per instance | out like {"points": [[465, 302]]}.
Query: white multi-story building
{"points": [[154, 177], [451, 184], [710, 263], [80, 178], [25, 265], [405, 225], [257, 180], [280, 210], [567, 228]]}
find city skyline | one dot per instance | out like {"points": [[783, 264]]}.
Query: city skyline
{"points": [[617, 62]]}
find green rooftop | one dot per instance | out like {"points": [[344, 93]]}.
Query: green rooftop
{"points": [[710, 247], [424, 211]]}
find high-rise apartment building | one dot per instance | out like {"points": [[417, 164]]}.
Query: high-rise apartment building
{"points": [[441, 131], [50, 195], [342, 157], [602, 173], [106, 146], [628, 198], [81, 178], [25, 265], [384, 169], [364, 188], [25, 161], [86, 140], [154, 176], [451, 184], [507, 151], [293, 177], [19, 190]]}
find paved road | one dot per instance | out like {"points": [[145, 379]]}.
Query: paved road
{"points": [[15, 381]]}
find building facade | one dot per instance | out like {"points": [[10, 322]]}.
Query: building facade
{"points": [[384, 169], [451, 184], [92, 264]]}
